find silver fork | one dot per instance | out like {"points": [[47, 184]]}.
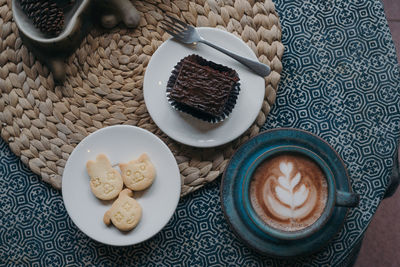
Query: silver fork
{"points": [[188, 34]]}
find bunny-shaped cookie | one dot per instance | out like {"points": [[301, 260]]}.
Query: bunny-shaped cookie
{"points": [[125, 212], [138, 174], [106, 182]]}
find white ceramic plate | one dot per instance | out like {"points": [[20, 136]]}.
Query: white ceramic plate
{"points": [[121, 144], [185, 128]]}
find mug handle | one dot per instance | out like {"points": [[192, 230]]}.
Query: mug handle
{"points": [[347, 199]]}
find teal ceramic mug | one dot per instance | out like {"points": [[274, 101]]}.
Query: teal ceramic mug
{"points": [[334, 197], [246, 222]]}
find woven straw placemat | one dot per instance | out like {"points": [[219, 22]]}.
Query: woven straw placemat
{"points": [[43, 122]]}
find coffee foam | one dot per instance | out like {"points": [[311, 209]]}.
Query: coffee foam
{"points": [[288, 192]]}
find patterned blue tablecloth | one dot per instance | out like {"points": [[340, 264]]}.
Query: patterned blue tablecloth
{"points": [[340, 81]]}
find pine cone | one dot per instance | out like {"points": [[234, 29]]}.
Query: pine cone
{"points": [[45, 15]]}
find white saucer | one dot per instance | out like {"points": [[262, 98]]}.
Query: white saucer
{"points": [[185, 128], [121, 144]]}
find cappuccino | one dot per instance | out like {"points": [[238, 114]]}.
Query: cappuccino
{"points": [[288, 192]]}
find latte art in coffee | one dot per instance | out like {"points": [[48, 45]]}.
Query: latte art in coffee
{"points": [[289, 192], [286, 202]]}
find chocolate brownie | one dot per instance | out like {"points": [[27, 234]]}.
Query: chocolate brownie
{"points": [[203, 88]]}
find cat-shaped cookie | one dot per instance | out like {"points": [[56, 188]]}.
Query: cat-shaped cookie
{"points": [[105, 181], [138, 174], [125, 212]]}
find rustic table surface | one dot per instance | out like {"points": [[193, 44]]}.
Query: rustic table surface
{"points": [[340, 81]]}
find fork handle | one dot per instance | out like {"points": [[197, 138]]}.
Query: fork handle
{"points": [[261, 69]]}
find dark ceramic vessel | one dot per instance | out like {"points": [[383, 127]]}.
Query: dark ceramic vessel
{"points": [[243, 219]]}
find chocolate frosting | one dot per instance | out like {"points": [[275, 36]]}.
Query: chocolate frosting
{"points": [[202, 85]]}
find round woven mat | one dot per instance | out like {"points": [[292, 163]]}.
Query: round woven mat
{"points": [[43, 123]]}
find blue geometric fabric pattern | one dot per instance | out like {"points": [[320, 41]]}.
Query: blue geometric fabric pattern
{"points": [[340, 81], [35, 230]]}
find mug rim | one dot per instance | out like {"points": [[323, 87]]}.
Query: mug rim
{"points": [[297, 234]]}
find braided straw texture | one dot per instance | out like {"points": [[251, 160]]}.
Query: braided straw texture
{"points": [[43, 122]]}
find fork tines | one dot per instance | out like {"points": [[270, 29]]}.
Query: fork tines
{"points": [[174, 27], [177, 21]]}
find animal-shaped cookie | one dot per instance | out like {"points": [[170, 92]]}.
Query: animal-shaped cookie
{"points": [[125, 212], [138, 174], [105, 181]]}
